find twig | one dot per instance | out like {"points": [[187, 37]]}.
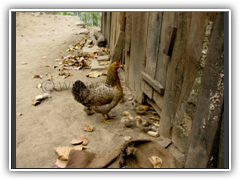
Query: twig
{"points": [[153, 118]]}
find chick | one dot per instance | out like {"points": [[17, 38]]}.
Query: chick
{"points": [[139, 108], [127, 120], [142, 124]]}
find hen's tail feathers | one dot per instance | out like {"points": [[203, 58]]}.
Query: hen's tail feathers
{"points": [[79, 91]]}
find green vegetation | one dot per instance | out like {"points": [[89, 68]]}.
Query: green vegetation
{"points": [[89, 18]]}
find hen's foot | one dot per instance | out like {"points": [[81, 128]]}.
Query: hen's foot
{"points": [[104, 120], [110, 117]]}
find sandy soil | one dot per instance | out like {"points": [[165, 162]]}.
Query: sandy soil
{"points": [[55, 122]]}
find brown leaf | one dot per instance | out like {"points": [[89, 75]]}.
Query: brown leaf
{"points": [[88, 128], [79, 147], [76, 141], [83, 139], [63, 152], [94, 74], [37, 76], [60, 163], [103, 63]]}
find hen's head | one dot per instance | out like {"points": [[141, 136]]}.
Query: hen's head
{"points": [[115, 65]]}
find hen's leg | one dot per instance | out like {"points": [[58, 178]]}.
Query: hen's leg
{"points": [[110, 117], [104, 120]]}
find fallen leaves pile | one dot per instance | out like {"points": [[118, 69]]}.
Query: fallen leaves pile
{"points": [[95, 74], [63, 151], [73, 62]]}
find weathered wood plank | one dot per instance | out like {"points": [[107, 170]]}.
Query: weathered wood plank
{"points": [[210, 103], [175, 73], [153, 39], [163, 60], [158, 98], [117, 51], [194, 49], [137, 50], [169, 44], [128, 30], [147, 89], [156, 85]]}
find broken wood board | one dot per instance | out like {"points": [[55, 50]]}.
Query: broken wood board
{"points": [[116, 55], [156, 85], [172, 31]]}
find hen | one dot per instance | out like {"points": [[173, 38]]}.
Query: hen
{"points": [[103, 98]]}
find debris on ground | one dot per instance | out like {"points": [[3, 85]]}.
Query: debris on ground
{"points": [[156, 161], [95, 74], [88, 128], [37, 99], [24, 63], [37, 76], [73, 62], [131, 154], [155, 118], [19, 114], [127, 138], [152, 133], [65, 74], [63, 151], [63, 154]]}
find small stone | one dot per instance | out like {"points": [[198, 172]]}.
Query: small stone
{"points": [[127, 138], [130, 99]]}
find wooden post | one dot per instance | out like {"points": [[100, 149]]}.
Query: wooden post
{"points": [[116, 55], [207, 120]]}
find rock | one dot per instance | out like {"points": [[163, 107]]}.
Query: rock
{"points": [[130, 99], [152, 133], [96, 66], [93, 49], [80, 23], [84, 31], [127, 138], [103, 58]]}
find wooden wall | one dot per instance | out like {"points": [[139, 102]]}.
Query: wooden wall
{"points": [[162, 53]]}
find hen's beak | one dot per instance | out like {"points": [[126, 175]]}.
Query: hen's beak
{"points": [[121, 66]]}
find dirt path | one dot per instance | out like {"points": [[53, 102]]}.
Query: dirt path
{"points": [[57, 121]]}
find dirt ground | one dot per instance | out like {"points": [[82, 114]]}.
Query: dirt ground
{"points": [[59, 120]]}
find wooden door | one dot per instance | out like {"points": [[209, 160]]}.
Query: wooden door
{"points": [[160, 32]]}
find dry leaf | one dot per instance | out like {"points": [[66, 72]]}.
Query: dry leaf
{"points": [[18, 114], [60, 163], [37, 76], [88, 128], [63, 152], [50, 78], [156, 161], [83, 139], [39, 85], [37, 99], [94, 74], [103, 63], [76, 141], [79, 147]]}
